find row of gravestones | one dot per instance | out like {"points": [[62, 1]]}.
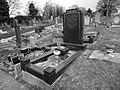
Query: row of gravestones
{"points": [[73, 25], [92, 20], [26, 22], [114, 21]]}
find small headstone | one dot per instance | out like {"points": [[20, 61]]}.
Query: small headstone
{"points": [[18, 33], [87, 20], [23, 22], [51, 17], [73, 23], [33, 21], [56, 20], [98, 17], [18, 70], [39, 20], [116, 21], [6, 25], [32, 41], [30, 23]]}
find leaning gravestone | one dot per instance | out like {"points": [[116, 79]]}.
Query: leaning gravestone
{"points": [[73, 22]]}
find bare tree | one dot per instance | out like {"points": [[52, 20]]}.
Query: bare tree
{"points": [[52, 9], [36, 6], [14, 5], [107, 7]]}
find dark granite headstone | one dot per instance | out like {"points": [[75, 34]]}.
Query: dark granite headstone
{"points": [[73, 22]]}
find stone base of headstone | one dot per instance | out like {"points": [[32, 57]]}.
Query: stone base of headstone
{"points": [[76, 46], [90, 37]]}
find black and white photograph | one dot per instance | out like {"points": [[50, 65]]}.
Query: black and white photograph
{"points": [[59, 44]]}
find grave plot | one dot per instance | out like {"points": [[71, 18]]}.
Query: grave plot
{"points": [[45, 70]]}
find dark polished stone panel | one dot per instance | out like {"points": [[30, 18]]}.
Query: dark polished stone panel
{"points": [[73, 22]]}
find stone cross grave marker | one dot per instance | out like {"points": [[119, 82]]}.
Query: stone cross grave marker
{"points": [[116, 21], [73, 22], [18, 33]]}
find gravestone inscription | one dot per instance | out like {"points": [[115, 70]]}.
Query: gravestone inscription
{"points": [[73, 22]]}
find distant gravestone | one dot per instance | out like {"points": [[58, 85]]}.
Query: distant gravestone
{"points": [[56, 20], [6, 25], [33, 21], [51, 18], [18, 33], [98, 17], [73, 23], [116, 21], [87, 20], [39, 20], [30, 23], [23, 22]]}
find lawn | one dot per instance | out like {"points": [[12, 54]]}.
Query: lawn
{"points": [[94, 74]]}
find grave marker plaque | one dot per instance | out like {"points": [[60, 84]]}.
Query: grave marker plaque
{"points": [[73, 26]]}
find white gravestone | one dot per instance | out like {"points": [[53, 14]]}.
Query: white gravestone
{"points": [[116, 21], [98, 17], [56, 20], [86, 20]]}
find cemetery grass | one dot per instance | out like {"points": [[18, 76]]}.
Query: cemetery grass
{"points": [[94, 74], [84, 73]]}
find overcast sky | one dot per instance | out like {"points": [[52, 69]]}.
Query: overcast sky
{"points": [[66, 3]]}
